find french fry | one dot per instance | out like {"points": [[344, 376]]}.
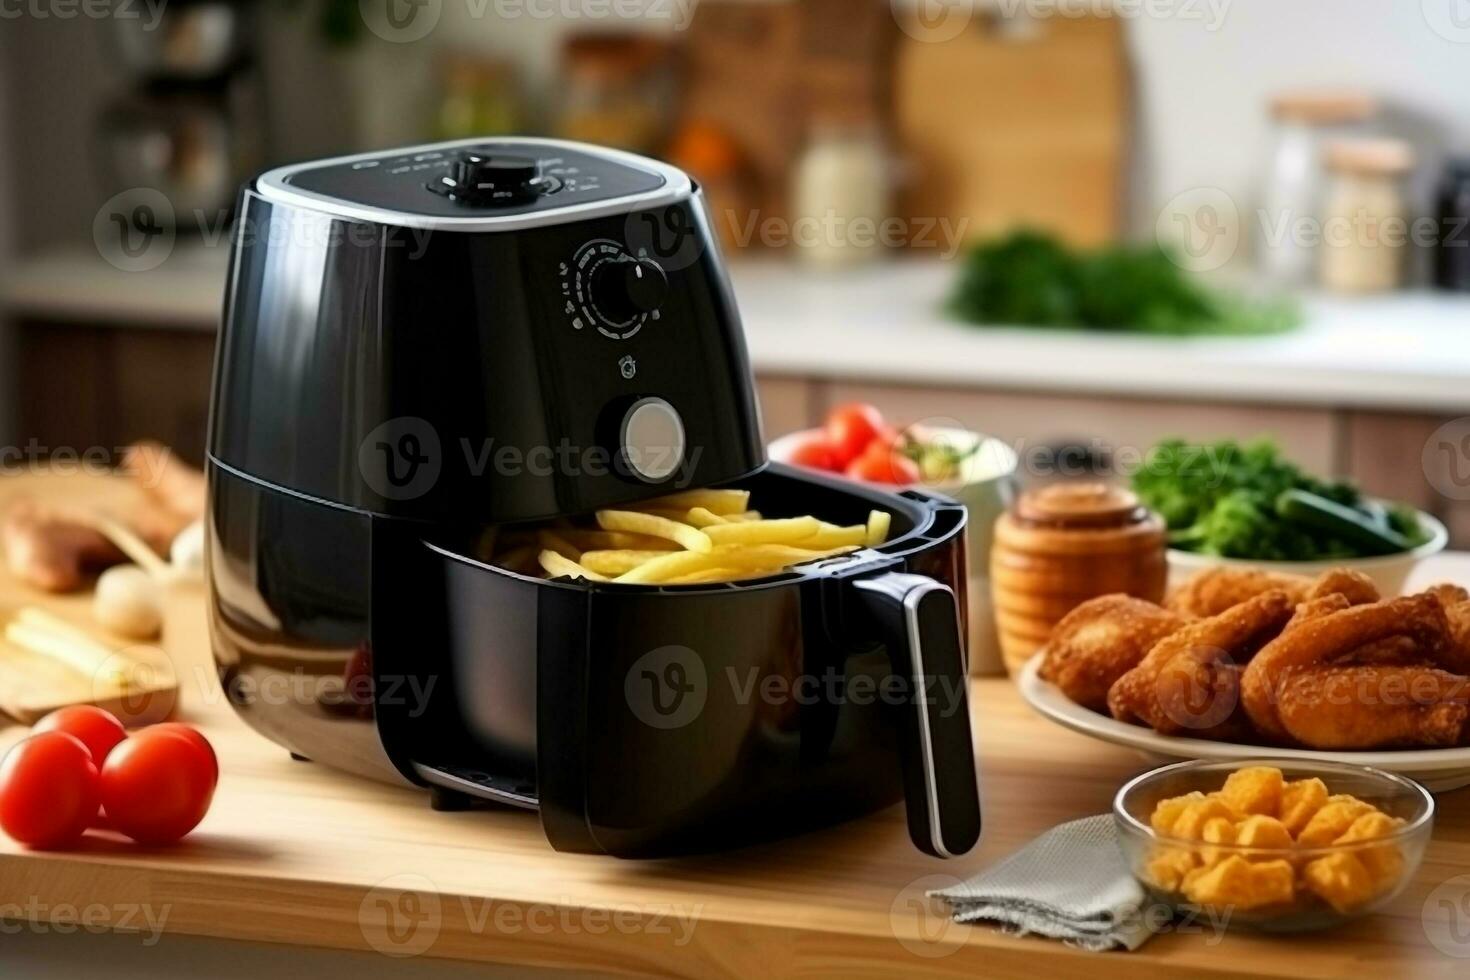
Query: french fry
{"points": [[833, 536], [878, 523], [659, 571], [618, 562], [691, 538], [555, 542], [596, 540], [558, 564], [748, 515], [720, 502], [518, 559], [771, 557], [706, 576], [701, 517], [782, 531]]}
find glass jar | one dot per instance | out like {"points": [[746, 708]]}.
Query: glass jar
{"points": [[1365, 228], [1291, 196], [840, 198]]}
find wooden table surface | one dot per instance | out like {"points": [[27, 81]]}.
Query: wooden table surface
{"points": [[296, 853]]}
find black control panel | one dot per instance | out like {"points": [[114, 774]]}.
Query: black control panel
{"points": [[494, 178]]}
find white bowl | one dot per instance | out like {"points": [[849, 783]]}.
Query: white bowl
{"points": [[1439, 770], [1388, 572]]}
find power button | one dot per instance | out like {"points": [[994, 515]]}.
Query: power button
{"points": [[652, 438]]}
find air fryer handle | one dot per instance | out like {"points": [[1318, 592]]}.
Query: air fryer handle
{"points": [[921, 625]]}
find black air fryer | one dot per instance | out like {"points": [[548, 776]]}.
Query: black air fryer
{"points": [[422, 345]]}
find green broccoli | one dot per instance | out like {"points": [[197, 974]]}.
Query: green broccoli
{"points": [[1220, 499]]}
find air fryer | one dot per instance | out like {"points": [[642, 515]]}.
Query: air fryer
{"points": [[423, 344]]}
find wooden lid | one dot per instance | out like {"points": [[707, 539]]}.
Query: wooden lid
{"points": [[1080, 505], [1369, 156], [1324, 108]]}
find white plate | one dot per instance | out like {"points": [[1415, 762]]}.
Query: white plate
{"points": [[1439, 770]]}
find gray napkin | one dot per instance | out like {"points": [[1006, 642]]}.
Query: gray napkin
{"points": [[1070, 884]]}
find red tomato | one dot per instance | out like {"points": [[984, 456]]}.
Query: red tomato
{"points": [[884, 466], [815, 453], [95, 728], [193, 735], [850, 428], [48, 790], [157, 786]]}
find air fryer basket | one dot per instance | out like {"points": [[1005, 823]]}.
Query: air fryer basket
{"points": [[555, 700]]}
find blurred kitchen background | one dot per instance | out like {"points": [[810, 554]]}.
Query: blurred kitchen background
{"points": [[1078, 226]]}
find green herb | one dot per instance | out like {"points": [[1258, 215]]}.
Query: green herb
{"points": [[1222, 499], [1031, 279]]}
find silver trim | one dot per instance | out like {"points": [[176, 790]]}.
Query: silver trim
{"points": [[272, 186], [470, 788], [926, 742], [911, 599]]}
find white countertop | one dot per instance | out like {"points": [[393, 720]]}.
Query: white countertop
{"points": [[1408, 350]]}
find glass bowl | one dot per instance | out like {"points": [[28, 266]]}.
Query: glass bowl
{"points": [[1248, 886]]}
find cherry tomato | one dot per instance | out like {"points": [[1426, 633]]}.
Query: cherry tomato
{"points": [[850, 428], [193, 735], [157, 786], [98, 730], [884, 466], [48, 790], [815, 453]]}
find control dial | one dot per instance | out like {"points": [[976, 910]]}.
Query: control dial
{"points": [[625, 288], [483, 178], [607, 288]]}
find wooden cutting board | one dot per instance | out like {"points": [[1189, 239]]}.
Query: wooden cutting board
{"points": [[136, 682], [1013, 123]]}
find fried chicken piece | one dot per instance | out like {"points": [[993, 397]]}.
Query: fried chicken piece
{"points": [[1456, 602], [1321, 637], [1100, 641], [1188, 683], [1375, 707], [1217, 589], [1357, 588]]}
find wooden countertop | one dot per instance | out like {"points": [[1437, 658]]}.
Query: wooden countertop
{"points": [[884, 323], [295, 853]]}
